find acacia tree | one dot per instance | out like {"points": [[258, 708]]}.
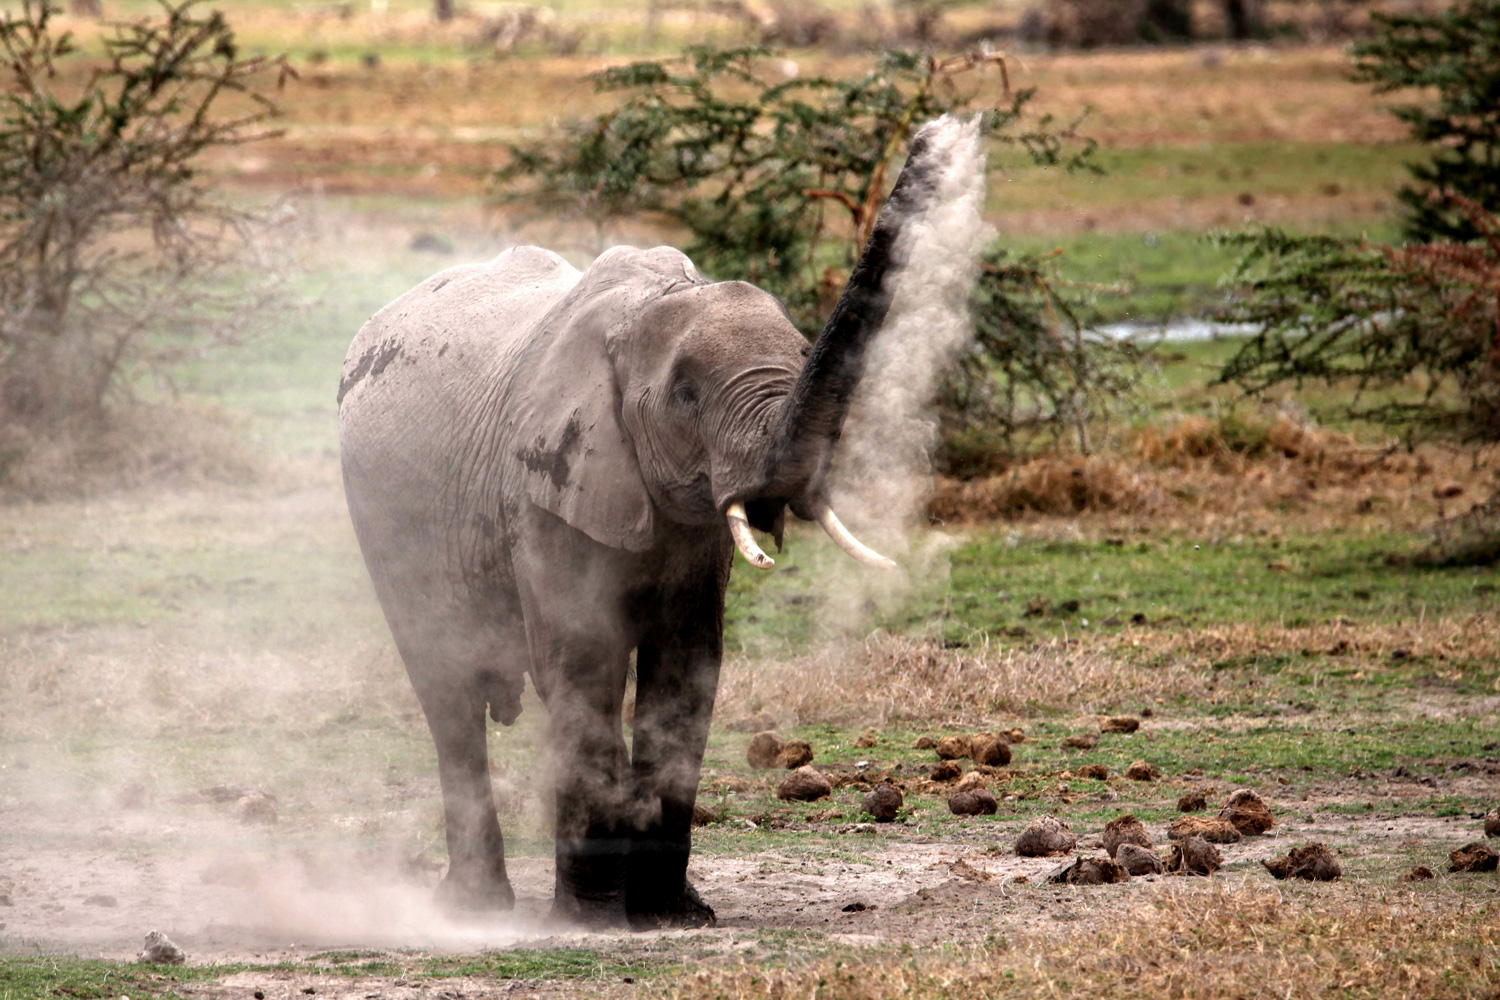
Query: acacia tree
{"points": [[1414, 329], [114, 255], [777, 181], [1454, 55]]}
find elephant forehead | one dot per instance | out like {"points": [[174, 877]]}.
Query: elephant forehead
{"points": [[724, 321]]}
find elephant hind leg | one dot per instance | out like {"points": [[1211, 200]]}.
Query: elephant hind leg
{"points": [[476, 878]]}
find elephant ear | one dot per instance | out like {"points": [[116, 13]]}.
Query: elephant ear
{"points": [[575, 457]]}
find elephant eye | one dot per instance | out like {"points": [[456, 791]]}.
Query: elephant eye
{"points": [[684, 393]]}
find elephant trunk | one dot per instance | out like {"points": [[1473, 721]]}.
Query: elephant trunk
{"points": [[812, 418]]}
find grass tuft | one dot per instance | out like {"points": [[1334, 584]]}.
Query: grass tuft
{"points": [[1221, 942]]}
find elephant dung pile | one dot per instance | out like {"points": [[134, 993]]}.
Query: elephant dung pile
{"points": [[1194, 856], [1475, 857], [1312, 863], [1210, 828], [767, 751], [1247, 812], [1045, 836], [1089, 871], [883, 802], [1124, 829], [805, 784], [976, 802]]}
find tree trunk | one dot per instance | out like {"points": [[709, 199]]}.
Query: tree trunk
{"points": [[442, 10]]}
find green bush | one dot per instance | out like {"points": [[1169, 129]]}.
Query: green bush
{"points": [[1456, 55]]}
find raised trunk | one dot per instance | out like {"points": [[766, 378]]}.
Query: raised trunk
{"points": [[813, 416]]}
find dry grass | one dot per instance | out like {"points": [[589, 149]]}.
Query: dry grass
{"points": [[890, 678], [1215, 942], [165, 445], [1450, 643], [1210, 472]]}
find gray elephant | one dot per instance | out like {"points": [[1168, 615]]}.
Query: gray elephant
{"points": [[549, 470]]}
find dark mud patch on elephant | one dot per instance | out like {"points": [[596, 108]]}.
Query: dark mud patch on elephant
{"points": [[554, 463], [374, 361]]}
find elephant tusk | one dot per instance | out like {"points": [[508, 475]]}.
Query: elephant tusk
{"points": [[739, 529], [856, 549]]}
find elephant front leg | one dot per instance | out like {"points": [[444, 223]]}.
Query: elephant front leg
{"points": [[675, 686], [592, 840]]}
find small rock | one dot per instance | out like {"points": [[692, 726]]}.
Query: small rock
{"points": [[702, 815], [947, 770], [1192, 802], [883, 802], [1045, 836], [1138, 860], [806, 784], [1098, 772], [131, 795], [973, 781], [857, 907], [1475, 857], [1082, 741], [1421, 873], [924, 743], [1119, 724], [794, 754], [1124, 829], [1313, 863], [976, 803], [867, 739], [1194, 856], [1141, 771], [1089, 871], [1016, 736], [1248, 812], [101, 899], [988, 748], [256, 809], [953, 747], [1210, 828], [763, 750], [1492, 823], [159, 950]]}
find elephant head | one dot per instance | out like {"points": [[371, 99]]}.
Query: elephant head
{"points": [[701, 400]]}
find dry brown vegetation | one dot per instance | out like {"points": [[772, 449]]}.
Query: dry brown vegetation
{"points": [[889, 678], [1222, 475], [1245, 942]]}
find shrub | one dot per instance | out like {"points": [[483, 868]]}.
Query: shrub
{"points": [[1456, 55], [1415, 330], [114, 258]]}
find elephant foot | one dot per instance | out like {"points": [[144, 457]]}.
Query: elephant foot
{"points": [[467, 896], [589, 914], [686, 911]]}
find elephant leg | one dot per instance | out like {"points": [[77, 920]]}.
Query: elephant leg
{"points": [[590, 762], [580, 643], [677, 675], [476, 878]]}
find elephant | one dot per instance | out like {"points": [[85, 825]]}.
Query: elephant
{"points": [[550, 470]]}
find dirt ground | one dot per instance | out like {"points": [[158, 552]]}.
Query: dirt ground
{"points": [[91, 877]]}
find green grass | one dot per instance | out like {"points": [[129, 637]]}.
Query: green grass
{"points": [[88, 979], [1001, 581]]}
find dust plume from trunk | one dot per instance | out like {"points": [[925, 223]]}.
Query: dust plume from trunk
{"points": [[883, 465]]}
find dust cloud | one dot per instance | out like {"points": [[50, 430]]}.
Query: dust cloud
{"points": [[884, 468]]}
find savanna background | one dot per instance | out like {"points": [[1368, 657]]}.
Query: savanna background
{"points": [[1253, 510]]}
